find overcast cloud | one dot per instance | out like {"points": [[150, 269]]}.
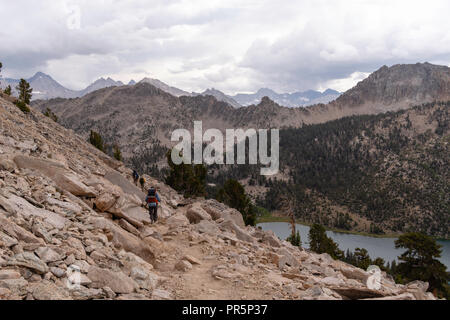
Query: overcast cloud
{"points": [[233, 46]]}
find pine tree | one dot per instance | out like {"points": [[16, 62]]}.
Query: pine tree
{"points": [[233, 194], [25, 91], [381, 263], [393, 267], [7, 90], [362, 258], [317, 234], [96, 140], [419, 261], [319, 242], [186, 178], [49, 113], [294, 238], [117, 153]]}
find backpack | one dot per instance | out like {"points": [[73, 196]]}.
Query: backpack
{"points": [[135, 175], [151, 196]]}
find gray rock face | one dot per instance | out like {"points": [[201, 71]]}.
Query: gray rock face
{"points": [[19, 204], [7, 164], [9, 274], [267, 237], [286, 258], [358, 293], [195, 214], [159, 294], [105, 201], [214, 209], [183, 265], [49, 291], [65, 179], [355, 273], [28, 260], [17, 232], [18, 286], [177, 221], [116, 281], [48, 255], [207, 227], [125, 239], [235, 216], [192, 260], [7, 240], [58, 272], [241, 234], [127, 187]]}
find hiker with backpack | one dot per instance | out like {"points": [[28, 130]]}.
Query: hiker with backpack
{"points": [[135, 177], [152, 201]]}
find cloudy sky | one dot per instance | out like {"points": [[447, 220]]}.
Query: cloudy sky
{"points": [[233, 46]]}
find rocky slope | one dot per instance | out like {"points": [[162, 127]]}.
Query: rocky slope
{"points": [[72, 227]]}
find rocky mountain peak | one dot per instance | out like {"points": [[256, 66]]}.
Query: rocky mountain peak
{"points": [[40, 75], [165, 87], [266, 100], [220, 96], [399, 87]]}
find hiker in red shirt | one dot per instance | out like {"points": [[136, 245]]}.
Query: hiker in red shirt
{"points": [[152, 201]]}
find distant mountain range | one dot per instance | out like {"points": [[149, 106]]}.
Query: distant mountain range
{"points": [[150, 109], [45, 87], [292, 100]]}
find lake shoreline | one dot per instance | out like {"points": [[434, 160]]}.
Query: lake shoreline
{"points": [[382, 247], [270, 219]]}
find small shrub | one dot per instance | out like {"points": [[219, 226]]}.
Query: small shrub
{"points": [[117, 153], [49, 113], [22, 106], [7, 90], [96, 140]]}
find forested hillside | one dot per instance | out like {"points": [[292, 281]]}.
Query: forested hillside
{"points": [[381, 173]]}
